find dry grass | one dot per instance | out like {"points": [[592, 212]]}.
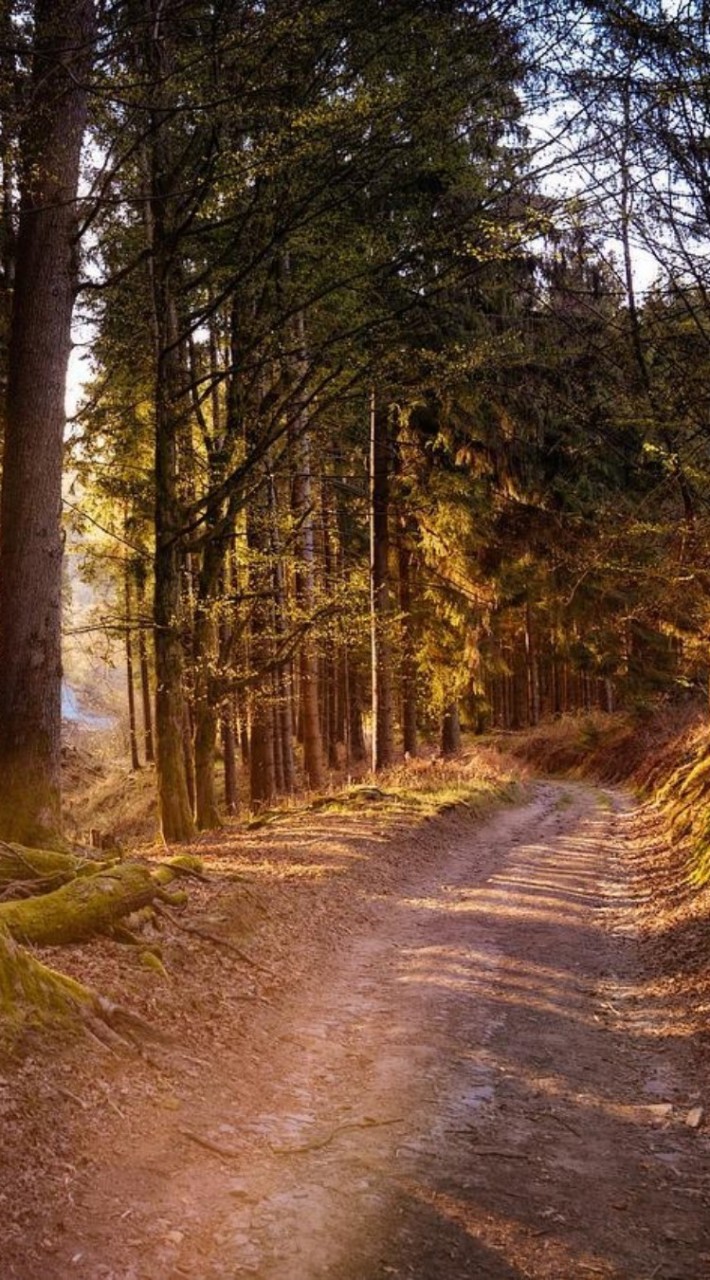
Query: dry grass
{"points": [[108, 797], [640, 750]]}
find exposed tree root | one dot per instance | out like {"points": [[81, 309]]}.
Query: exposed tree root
{"points": [[24, 871], [28, 985], [215, 939], [94, 902], [88, 905], [31, 993]]}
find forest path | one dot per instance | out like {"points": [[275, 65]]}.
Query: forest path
{"points": [[480, 1087]]}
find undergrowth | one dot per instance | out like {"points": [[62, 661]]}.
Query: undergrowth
{"points": [[478, 780]]}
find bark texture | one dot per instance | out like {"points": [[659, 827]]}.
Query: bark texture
{"points": [[170, 413], [30, 530]]}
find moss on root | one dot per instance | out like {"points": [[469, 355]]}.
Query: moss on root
{"points": [[31, 990], [40, 870], [71, 900], [87, 906]]}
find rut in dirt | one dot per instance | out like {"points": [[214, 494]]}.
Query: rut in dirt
{"points": [[482, 1087]]}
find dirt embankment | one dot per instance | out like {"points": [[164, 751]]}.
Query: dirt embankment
{"points": [[449, 1058]]}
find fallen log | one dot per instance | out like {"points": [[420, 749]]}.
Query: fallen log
{"points": [[90, 904]]}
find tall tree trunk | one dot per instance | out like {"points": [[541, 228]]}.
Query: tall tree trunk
{"points": [[206, 662], [8, 146], [331, 655], [146, 696], [262, 776], [519, 690], [39, 345], [279, 779], [533, 668], [284, 722], [229, 751], [171, 713], [358, 746], [282, 680], [380, 611], [305, 593], [261, 739], [409, 670], [130, 686], [207, 814]]}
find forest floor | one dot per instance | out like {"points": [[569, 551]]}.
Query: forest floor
{"points": [[462, 1049]]}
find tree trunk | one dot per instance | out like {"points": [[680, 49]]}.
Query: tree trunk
{"points": [[30, 527], [229, 751], [241, 711], [282, 680], [146, 697], [358, 746], [130, 688], [409, 670], [206, 662], [206, 724], [533, 668], [170, 408], [332, 652], [262, 779], [8, 144], [450, 731], [382, 728], [279, 779], [305, 590], [284, 721]]}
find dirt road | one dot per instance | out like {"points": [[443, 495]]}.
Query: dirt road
{"points": [[478, 1087]]}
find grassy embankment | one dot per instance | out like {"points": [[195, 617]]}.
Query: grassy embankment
{"points": [[122, 805]]}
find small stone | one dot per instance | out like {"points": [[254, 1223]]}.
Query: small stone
{"points": [[241, 1188], [694, 1118], [174, 1237]]}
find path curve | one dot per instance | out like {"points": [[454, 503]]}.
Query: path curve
{"points": [[479, 1088]]}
